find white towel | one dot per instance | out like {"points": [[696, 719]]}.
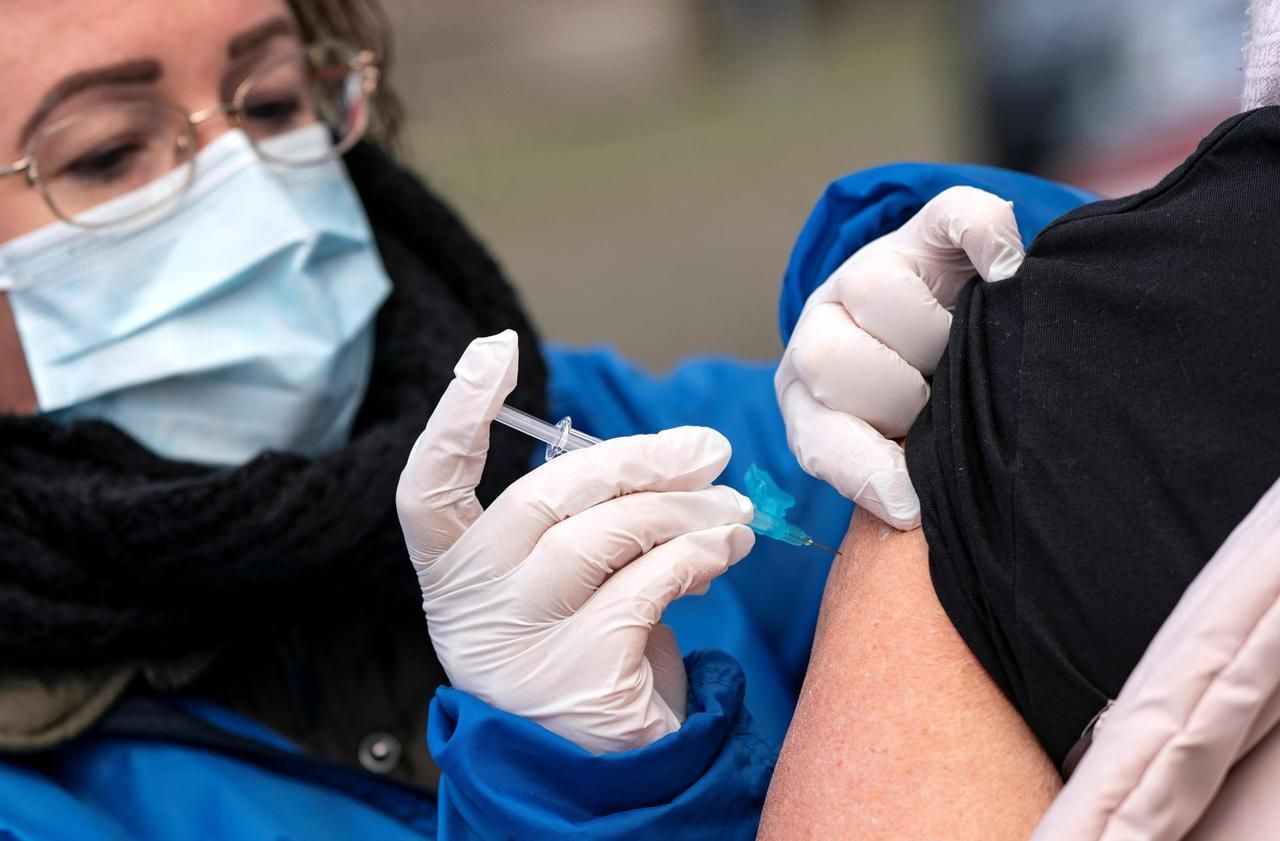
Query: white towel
{"points": [[1262, 56]]}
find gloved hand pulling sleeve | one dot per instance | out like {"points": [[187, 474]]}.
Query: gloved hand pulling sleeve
{"points": [[548, 604], [852, 378]]}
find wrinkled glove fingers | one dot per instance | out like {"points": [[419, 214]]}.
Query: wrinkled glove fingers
{"points": [[887, 299], [851, 456], [847, 369], [669, 678], [632, 601], [965, 230], [575, 556], [687, 458], [436, 495]]}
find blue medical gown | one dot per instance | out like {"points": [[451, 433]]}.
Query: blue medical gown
{"points": [[746, 640]]}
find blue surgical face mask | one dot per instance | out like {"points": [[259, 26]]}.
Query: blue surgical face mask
{"points": [[240, 322]]}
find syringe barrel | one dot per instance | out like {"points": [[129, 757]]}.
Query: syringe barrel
{"points": [[528, 424], [559, 438], [569, 439], [576, 440]]}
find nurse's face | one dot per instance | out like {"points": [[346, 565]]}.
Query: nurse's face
{"points": [[62, 57]]}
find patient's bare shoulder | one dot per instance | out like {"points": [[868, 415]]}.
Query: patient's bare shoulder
{"points": [[899, 732]]}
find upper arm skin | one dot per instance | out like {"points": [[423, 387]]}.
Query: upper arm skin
{"points": [[899, 732]]}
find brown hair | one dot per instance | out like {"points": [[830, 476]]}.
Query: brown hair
{"points": [[362, 24]]}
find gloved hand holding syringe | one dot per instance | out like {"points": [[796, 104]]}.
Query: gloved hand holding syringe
{"points": [[548, 602], [771, 503]]}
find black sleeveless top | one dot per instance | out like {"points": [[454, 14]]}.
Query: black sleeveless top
{"points": [[1102, 421]]}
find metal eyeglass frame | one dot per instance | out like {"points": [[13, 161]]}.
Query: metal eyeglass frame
{"points": [[361, 61]]}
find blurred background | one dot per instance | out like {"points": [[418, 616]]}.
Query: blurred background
{"points": [[641, 167]]}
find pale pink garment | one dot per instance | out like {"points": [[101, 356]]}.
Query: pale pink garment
{"points": [[1262, 56], [1172, 757]]}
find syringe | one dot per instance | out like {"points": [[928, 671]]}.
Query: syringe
{"points": [[562, 438]]}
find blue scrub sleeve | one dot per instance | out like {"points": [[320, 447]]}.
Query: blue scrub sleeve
{"points": [[504, 776], [869, 204]]}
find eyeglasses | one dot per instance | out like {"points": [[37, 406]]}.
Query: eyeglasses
{"points": [[80, 163]]}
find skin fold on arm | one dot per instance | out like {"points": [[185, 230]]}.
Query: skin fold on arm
{"points": [[899, 732]]}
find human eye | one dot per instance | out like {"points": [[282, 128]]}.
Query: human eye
{"points": [[109, 161], [273, 112]]}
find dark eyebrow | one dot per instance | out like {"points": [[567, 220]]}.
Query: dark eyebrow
{"points": [[251, 39], [136, 72]]}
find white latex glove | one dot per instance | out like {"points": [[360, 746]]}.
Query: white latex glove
{"points": [[852, 377], [548, 604]]}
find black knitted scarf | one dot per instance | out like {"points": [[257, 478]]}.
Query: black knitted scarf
{"points": [[109, 552]]}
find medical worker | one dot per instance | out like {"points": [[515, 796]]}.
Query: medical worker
{"points": [[225, 315]]}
